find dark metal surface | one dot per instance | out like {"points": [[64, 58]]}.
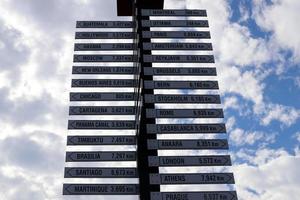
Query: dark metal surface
{"points": [[100, 140], [90, 172]]}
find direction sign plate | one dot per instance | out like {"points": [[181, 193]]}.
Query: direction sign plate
{"points": [[104, 83], [101, 140], [199, 178], [177, 71], [101, 124], [102, 110], [185, 128], [104, 35], [98, 96], [103, 46], [172, 161], [188, 144], [103, 70], [215, 195], [181, 85], [177, 34], [158, 12], [172, 98], [86, 172], [179, 58], [105, 24], [184, 113], [93, 156], [100, 189], [174, 23], [103, 58], [177, 46]]}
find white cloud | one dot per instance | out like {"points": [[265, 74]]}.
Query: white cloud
{"points": [[240, 137], [276, 177], [297, 136], [284, 114], [281, 18]]}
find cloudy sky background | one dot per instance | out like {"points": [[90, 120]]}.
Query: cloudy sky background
{"points": [[257, 49]]}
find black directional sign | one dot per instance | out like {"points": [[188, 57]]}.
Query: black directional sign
{"points": [[104, 83], [88, 172], [177, 46], [103, 70], [199, 178], [188, 144], [104, 35], [103, 58], [184, 113], [172, 98], [101, 124], [179, 71], [98, 96], [181, 85], [177, 34], [102, 110], [185, 128], [179, 58], [105, 24], [101, 140], [93, 156], [199, 13], [103, 46], [172, 161], [100, 189], [215, 195], [175, 23]]}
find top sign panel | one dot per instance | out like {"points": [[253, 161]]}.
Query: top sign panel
{"points": [[104, 24], [157, 12], [175, 23]]}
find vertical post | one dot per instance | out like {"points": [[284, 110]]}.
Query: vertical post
{"points": [[143, 152]]}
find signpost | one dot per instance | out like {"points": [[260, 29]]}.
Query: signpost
{"points": [[175, 23], [103, 70], [185, 128], [93, 156], [101, 124], [102, 110], [90, 172], [181, 85], [104, 46], [105, 24], [177, 46], [99, 96], [104, 35], [215, 195], [169, 98], [179, 58], [177, 71], [104, 83], [184, 113], [100, 189], [188, 144], [103, 58], [197, 178], [101, 140], [177, 34], [173, 161]]}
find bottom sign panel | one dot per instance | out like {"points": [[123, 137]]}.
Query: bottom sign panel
{"points": [[100, 189], [188, 144], [199, 178], [91, 156], [88, 172], [216, 195], [170, 161]]}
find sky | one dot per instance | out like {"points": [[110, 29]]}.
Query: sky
{"points": [[257, 50]]}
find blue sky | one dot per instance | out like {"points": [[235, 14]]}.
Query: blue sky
{"points": [[257, 50]]}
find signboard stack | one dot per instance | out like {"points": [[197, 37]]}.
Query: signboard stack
{"points": [[172, 97], [167, 89], [88, 115]]}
